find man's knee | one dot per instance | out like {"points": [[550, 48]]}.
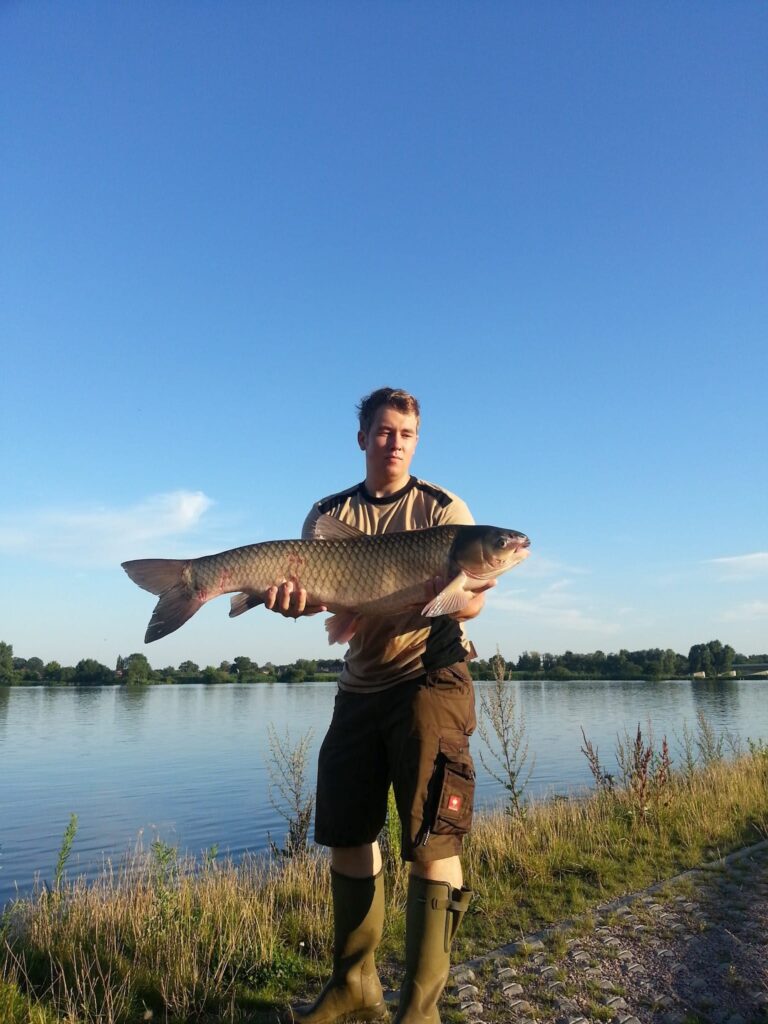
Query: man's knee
{"points": [[448, 869], [356, 861]]}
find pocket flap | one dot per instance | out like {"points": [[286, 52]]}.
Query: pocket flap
{"points": [[457, 792]]}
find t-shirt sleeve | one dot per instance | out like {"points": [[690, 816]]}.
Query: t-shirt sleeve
{"points": [[456, 513]]}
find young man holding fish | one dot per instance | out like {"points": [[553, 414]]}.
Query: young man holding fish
{"points": [[405, 707], [403, 714]]}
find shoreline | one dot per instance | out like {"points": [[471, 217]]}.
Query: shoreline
{"points": [[612, 881], [514, 677]]}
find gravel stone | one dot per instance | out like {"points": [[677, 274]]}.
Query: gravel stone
{"points": [[673, 1017], [520, 1006], [512, 988], [467, 993], [463, 976], [617, 1003], [704, 957], [506, 974]]}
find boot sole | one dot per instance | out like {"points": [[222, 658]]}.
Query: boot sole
{"points": [[378, 1012], [371, 1013]]}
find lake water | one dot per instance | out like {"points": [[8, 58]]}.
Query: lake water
{"points": [[189, 764]]}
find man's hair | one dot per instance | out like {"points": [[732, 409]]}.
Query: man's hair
{"points": [[394, 397]]}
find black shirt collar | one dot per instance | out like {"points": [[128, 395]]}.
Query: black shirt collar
{"points": [[388, 499]]}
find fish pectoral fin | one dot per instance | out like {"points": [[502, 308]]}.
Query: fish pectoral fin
{"points": [[330, 528], [240, 603], [452, 598], [342, 626]]}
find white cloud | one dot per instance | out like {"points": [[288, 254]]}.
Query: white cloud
{"points": [[103, 535], [750, 611], [538, 567], [743, 567], [556, 606]]}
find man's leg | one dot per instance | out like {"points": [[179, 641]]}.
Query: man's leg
{"points": [[446, 870], [436, 790], [350, 809], [357, 861], [434, 911], [353, 991]]}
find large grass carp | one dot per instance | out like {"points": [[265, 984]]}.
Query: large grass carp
{"points": [[353, 574]]}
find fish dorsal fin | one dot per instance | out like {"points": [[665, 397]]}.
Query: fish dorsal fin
{"points": [[450, 599], [330, 528]]}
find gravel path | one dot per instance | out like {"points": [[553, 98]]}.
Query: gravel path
{"points": [[694, 949]]}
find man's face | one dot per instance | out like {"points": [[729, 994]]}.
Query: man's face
{"points": [[389, 445]]}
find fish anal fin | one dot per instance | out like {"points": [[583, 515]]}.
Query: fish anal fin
{"points": [[330, 528], [342, 626], [240, 603], [452, 598]]}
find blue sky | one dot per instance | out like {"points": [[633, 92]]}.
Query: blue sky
{"points": [[224, 223]]}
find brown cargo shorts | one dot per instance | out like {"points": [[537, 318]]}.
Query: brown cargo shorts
{"points": [[414, 735]]}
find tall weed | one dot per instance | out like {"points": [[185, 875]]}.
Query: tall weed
{"points": [[502, 728], [289, 791]]}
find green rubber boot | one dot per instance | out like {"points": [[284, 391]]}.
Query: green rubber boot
{"points": [[432, 918], [353, 991]]}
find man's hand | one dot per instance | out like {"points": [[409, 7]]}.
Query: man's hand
{"points": [[475, 606], [290, 601]]}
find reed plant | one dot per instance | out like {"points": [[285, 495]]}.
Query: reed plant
{"points": [[163, 938], [289, 791], [501, 726]]}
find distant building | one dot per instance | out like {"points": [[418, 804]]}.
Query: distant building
{"points": [[752, 670]]}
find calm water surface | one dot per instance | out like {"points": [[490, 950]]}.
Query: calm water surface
{"points": [[189, 764]]}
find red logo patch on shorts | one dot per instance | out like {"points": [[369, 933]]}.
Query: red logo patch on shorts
{"points": [[454, 802]]}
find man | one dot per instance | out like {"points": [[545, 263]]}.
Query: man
{"points": [[403, 714]]}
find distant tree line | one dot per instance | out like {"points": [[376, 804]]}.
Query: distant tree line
{"points": [[134, 669], [713, 659]]}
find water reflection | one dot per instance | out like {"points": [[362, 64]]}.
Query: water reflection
{"points": [[5, 701], [715, 698], [131, 708], [190, 763]]}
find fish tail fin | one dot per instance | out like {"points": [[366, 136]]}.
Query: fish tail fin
{"points": [[178, 600]]}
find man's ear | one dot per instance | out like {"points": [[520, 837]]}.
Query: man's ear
{"points": [[361, 440]]}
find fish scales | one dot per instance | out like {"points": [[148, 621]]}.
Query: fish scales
{"points": [[334, 572]]}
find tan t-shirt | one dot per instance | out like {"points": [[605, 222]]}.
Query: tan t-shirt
{"points": [[389, 650]]}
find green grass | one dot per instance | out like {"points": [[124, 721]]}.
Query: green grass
{"points": [[185, 942], [16, 1008]]}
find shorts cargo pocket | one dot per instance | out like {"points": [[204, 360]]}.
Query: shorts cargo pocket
{"points": [[454, 807], [452, 680]]}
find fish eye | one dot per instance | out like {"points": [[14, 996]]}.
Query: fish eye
{"points": [[502, 542]]}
